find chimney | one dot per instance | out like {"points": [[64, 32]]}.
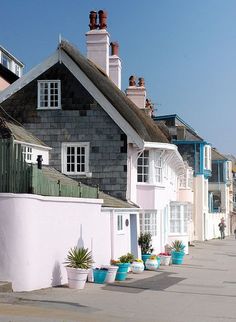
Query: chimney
{"points": [[115, 64], [98, 40], [137, 94]]}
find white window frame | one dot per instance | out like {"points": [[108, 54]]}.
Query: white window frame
{"points": [[27, 152], [120, 224], [17, 70], [148, 222], [186, 179], [207, 157], [144, 166], [8, 61], [227, 170], [75, 145], [48, 95], [180, 215], [158, 167]]}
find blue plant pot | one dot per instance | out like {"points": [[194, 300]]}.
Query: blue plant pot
{"points": [[144, 258], [99, 276], [122, 271], [177, 257]]}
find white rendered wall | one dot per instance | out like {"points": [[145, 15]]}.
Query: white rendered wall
{"points": [[98, 48], [115, 70], [36, 233], [198, 211], [43, 152]]}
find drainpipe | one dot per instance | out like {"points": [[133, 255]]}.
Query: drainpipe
{"points": [[112, 232]]}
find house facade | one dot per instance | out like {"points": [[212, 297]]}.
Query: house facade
{"points": [[100, 135], [197, 153], [221, 190]]}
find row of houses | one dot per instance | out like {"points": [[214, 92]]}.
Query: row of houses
{"points": [[155, 173]]}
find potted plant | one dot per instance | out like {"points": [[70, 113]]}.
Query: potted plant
{"points": [[165, 258], [99, 275], [137, 266], [177, 252], [145, 242], [123, 265], [78, 263]]}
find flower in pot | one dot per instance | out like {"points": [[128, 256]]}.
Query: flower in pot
{"points": [[78, 262], [165, 258], [145, 242], [123, 264], [152, 263], [100, 275], [177, 253], [137, 266]]}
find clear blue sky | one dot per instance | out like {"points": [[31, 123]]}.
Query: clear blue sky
{"points": [[185, 50]]}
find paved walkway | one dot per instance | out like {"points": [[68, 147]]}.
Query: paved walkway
{"points": [[203, 289]]}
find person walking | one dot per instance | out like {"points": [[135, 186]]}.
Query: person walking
{"points": [[222, 228], [235, 233]]}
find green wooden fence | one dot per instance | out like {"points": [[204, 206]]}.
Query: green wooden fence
{"points": [[14, 171], [17, 176]]}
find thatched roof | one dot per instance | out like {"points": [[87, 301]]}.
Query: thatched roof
{"points": [[140, 122]]}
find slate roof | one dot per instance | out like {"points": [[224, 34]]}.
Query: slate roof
{"points": [[217, 156], [141, 123], [191, 134], [11, 128]]}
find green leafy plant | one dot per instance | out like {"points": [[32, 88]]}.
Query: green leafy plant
{"points": [[128, 258], [144, 242], [79, 258], [177, 246]]}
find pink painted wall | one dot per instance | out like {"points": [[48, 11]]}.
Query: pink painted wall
{"points": [[36, 233], [185, 195], [3, 84]]}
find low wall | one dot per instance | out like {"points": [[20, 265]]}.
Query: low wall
{"points": [[36, 233], [212, 222]]}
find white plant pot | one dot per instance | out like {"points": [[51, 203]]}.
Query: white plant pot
{"points": [[111, 274], [151, 264], [77, 277], [137, 267], [165, 260]]}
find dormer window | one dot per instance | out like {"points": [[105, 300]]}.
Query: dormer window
{"points": [[49, 94]]}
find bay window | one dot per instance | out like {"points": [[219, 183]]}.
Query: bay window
{"points": [[180, 214], [148, 222]]}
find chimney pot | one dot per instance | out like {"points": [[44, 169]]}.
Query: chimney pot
{"points": [[114, 48], [102, 19], [132, 81], [141, 82], [39, 161], [93, 20]]}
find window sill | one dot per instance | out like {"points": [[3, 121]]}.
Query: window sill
{"points": [[82, 175], [161, 185], [48, 108]]}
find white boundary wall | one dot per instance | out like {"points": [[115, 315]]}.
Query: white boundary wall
{"points": [[36, 233]]}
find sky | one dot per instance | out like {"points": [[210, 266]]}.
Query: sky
{"points": [[184, 49]]}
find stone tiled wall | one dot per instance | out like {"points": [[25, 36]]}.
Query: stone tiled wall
{"points": [[81, 119]]}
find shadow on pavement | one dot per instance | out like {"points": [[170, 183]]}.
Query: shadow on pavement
{"points": [[158, 282]]}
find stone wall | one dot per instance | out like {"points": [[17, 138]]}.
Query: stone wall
{"points": [[81, 119]]}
